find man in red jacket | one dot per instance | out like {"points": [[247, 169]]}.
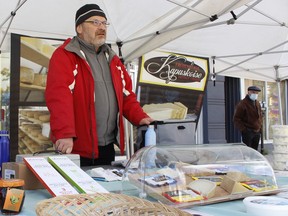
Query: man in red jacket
{"points": [[89, 92], [248, 118]]}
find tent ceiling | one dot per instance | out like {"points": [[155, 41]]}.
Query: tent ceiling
{"points": [[184, 26], [253, 47], [140, 25]]}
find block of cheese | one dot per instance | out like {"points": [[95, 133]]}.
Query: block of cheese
{"points": [[160, 113], [26, 75], [164, 111], [232, 186], [203, 187], [40, 79], [184, 110], [238, 176]]}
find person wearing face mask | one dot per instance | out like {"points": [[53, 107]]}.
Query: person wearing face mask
{"points": [[248, 118], [89, 92]]}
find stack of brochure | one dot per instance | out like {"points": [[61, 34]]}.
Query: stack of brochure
{"points": [[61, 176]]}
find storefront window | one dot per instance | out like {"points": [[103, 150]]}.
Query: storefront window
{"points": [[270, 101], [273, 106]]}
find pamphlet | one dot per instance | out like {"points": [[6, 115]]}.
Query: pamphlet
{"points": [[75, 175], [158, 180], [52, 180], [257, 185], [217, 179], [108, 175]]}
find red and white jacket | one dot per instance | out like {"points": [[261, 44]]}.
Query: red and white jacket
{"points": [[70, 99]]}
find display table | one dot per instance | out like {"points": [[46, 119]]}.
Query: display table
{"points": [[235, 208]]}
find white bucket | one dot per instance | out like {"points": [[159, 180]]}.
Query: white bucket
{"points": [[266, 206], [280, 130]]}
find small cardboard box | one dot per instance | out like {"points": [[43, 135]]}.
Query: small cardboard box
{"points": [[19, 170]]}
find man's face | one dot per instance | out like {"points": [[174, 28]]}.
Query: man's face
{"points": [[93, 31], [253, 92]]}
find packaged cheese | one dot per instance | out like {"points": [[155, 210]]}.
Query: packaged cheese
{"points": [[164, 111], [203, 187]]}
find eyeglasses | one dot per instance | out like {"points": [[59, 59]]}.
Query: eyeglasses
{"points": [[98, 22]]}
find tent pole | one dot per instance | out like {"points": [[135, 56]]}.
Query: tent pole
{"points": [[276, 67], [255, 56], [280, 102], [269, 17], [248, 54], [247, 69], [129, 129], [11, 16], [13, 13], [189, 8], [166, 29]]}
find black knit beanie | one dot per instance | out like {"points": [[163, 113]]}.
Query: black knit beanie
{"points": [[87, 11]]}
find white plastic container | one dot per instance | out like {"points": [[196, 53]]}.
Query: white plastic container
{"points": [[150, 136], [266, 206]]}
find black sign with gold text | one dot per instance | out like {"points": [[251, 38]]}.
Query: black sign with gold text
{"points": [[171, 77]]}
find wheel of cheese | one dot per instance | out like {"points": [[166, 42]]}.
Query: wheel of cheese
{"points": [[26, 75], [40, 79], [42, 138], [36, 132], [36, 114], [30, 114], [44, 118]]}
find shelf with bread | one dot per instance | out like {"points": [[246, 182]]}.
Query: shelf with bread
{"points": [[30, 131], [39, 52], [30, 80], [27, 92]]}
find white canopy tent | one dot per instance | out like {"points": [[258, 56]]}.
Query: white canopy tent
{"points": [[140, 26], [250, 42]]}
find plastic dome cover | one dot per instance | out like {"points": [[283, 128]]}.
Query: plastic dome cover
{"points": [[185, 175]]}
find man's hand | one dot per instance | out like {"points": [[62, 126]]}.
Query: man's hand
{"points": [[146, 121], [64, 145]]}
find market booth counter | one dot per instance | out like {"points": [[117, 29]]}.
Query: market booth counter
{"points": [[210, 179], [185, 176]]}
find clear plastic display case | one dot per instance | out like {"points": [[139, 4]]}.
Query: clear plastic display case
{"points": [[186, 175]]}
